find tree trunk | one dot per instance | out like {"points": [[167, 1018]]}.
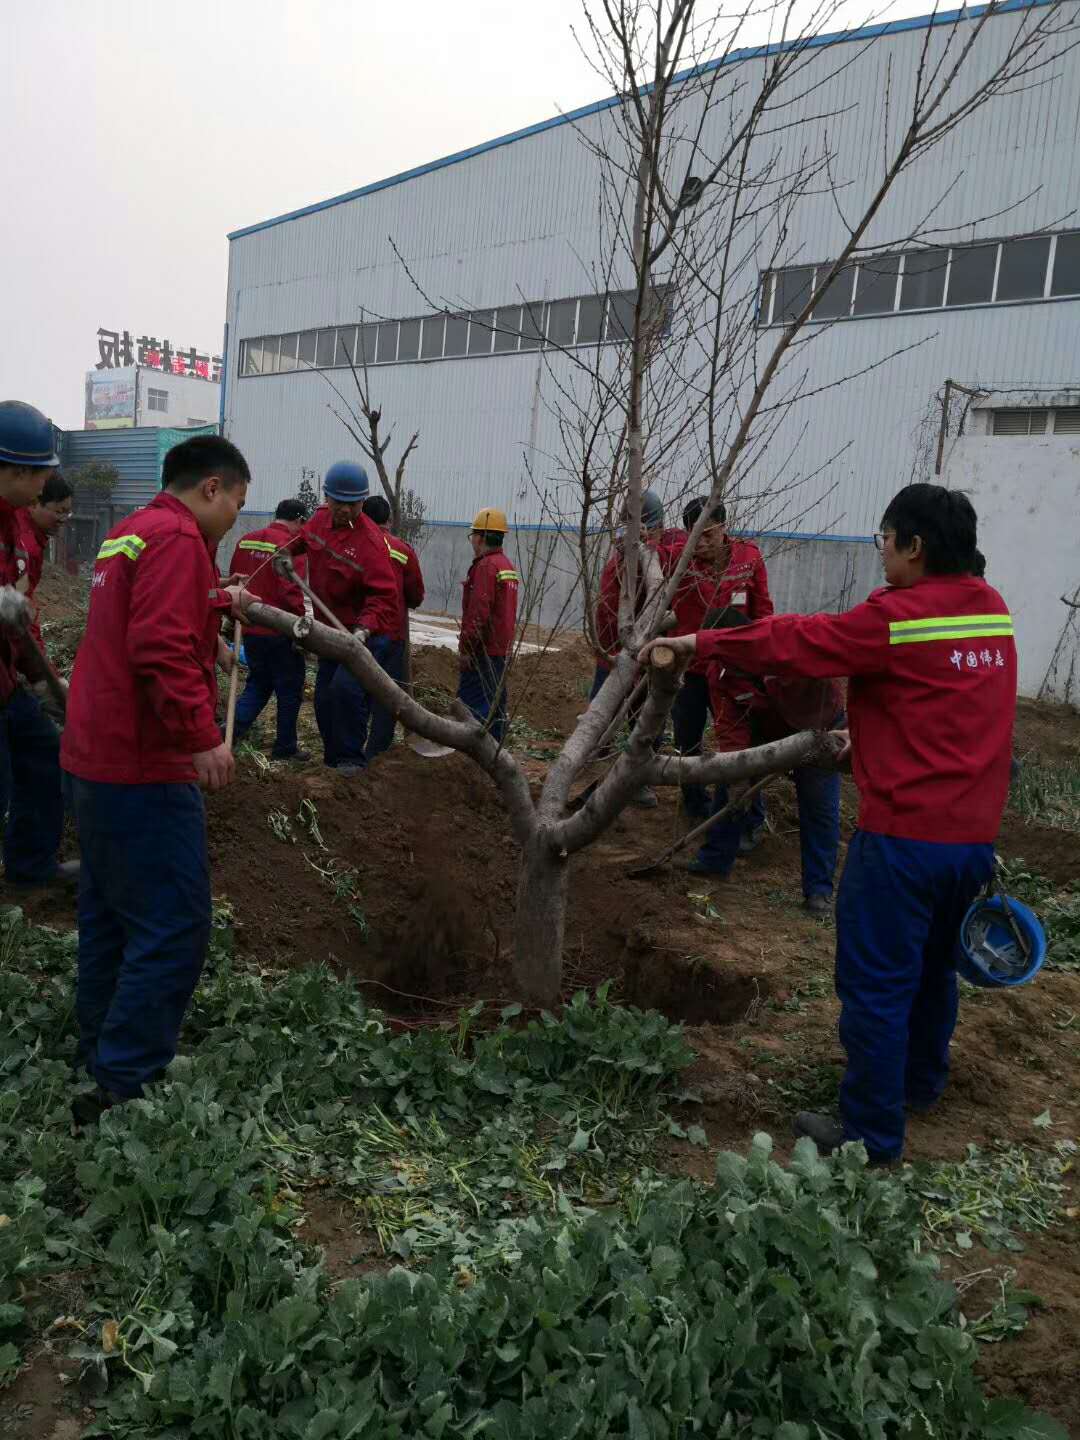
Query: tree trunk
{"points": [[539, 923]]}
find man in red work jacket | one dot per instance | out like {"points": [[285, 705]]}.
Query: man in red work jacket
{"points": [[410, 595], [724, 572], [141, 742], [931, 702], [488, 623], [30, 788], [669, 544], [276, 668], [350, 570], [38, 523]]}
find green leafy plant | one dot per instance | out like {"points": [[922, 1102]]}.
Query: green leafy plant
{"points": [[1058, 907]]}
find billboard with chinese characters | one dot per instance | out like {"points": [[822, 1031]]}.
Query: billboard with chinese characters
{"points": [[110, 399], [117, 350]]}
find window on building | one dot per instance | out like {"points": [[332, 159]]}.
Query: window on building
{"points": [[287, 354], [345, 354], [481, 327], [532, 325], [1066, 279], [620, 316], [836, 301], [1020, 422], [408, 340], [250, 358], [386, 347], [324, 349], [270, 354], [875, 285], [1022, 269], [366, 343], [432, 338], [306, 350], [561, 317], [159, 399], [590, 323], [457, 336], [1067, 421], [791, 290], [971, 275], [507, 329], [923, 283]]}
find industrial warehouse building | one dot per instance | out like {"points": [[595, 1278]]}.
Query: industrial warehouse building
{"points": [[504, 238]]}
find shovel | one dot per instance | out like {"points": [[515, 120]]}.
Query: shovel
{"points": [[427, 748]]}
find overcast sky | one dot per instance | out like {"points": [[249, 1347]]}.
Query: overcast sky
{"points": [[134, 136]]}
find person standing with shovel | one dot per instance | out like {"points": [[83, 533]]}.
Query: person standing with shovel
{"points": [[410, 584]]}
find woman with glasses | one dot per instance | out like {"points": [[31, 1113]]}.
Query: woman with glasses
{"points": [[931, 701]]}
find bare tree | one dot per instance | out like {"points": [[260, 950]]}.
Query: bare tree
{"points": [[705, 165]]}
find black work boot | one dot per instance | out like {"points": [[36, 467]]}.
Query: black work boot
{"points": [[87, 1110], [826, 1133]]}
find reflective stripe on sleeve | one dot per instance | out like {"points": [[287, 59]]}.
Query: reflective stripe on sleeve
{"points": [[130, 545], [264, 545], [508, 575]]}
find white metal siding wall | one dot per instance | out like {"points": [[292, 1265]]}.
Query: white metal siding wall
{"points": [[520, 221]]}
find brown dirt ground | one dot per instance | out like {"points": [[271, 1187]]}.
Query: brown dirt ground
{"points": [[740, 962]]}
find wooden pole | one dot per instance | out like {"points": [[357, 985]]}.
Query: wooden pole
{"points": [[234, 681]]}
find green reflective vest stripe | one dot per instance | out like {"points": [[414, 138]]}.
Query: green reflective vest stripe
{"points": [[950, 627], [264, 545], [130, 545]]}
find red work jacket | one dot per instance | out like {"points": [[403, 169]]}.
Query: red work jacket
{"points": [[144, 689], [351, 571], [931, 699], [253, 558], [669, 545], [13, 562], [34, 542], [489, 607], [409, 578], [743, 585]]}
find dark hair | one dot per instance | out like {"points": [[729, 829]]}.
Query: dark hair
{"points": [[943, 519], [979, 568], [695, 507], [290, 510], [189, 463], [377, 508], [55, 488], [493, 539]]}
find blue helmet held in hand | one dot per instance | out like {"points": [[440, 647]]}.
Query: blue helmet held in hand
{"points": [[26, 437], [1001, 943], [346, 482]]}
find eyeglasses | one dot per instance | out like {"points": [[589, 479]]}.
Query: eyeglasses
{"points": [[879, 538]]}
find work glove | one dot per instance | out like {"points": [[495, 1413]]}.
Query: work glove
{"points": [[14, 609]]}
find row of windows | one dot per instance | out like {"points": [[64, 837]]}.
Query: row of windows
{"points": [[507, 330], [1033, 267], [1038, 422]]}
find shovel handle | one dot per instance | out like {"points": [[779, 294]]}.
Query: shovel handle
{"points": [[234, 679]]}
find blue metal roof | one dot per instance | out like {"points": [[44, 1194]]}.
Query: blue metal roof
{"points": [[838, 37]]}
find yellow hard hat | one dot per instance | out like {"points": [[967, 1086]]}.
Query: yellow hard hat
{"points": [[491, 519]]}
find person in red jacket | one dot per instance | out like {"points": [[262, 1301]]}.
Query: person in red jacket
{"points": [[141, 740], [488, 623], [724, 572], [931, 703], [276, 668], [30, 782], [669, 544], [410, 586], [350, 570], [38, 524]]}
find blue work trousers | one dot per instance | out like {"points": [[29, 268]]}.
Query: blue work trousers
{"points": [[898, 917], [30, 789], [144, 925], [483, 690], [275, 670], [689, 716], [343, 709], [818, 795], [381, 735]]}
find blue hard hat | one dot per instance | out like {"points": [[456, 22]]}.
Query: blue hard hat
{"points": [[346, 482], [1001, 942], [26, 436]]}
